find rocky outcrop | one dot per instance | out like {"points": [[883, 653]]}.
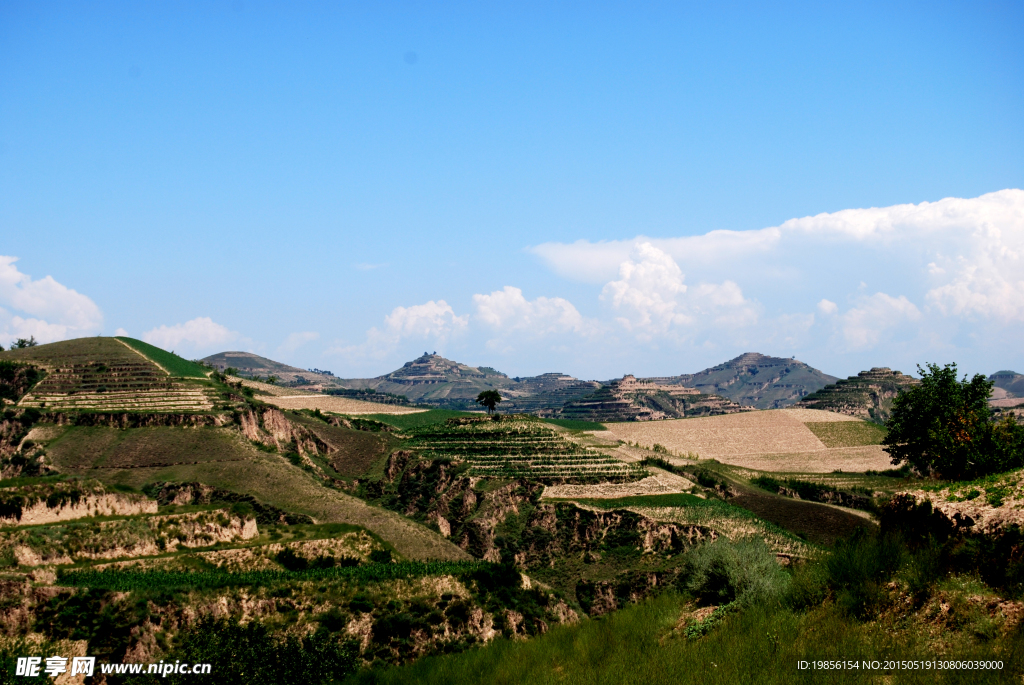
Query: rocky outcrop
{"points": [[270, 427]]}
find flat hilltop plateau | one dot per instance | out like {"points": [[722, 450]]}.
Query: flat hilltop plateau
{"points": [[294, 535]]}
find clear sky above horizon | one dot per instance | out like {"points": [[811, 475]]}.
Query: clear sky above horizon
{"points": [[592, 188]]}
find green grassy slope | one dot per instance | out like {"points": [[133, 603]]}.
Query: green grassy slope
{"points": [[638, 646], [223, 459], [175, 365]]}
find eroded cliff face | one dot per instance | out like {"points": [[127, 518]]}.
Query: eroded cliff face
{"points": [[67, 501], [270, 427], [506, 520]]}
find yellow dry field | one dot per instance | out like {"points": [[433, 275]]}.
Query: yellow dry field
{"points": [[775, 440], [338, 405]]}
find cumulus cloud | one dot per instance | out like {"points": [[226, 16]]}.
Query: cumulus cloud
{"points": [[509, 310], [958, 263], [652, 298], [199, 334], [433, 321], [121, 333], [866, 324], [42, 307], [296, 340]]}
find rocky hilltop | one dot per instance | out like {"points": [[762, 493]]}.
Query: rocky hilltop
{"points": [[868, 395], [755, 380]]}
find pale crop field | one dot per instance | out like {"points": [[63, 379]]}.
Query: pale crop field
{"points": [[661, 483], [337, 405], [775, 440]]}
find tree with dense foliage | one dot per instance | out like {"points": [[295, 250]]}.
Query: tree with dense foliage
{"points": [[21, 343], [943, 426], [489, 399]]}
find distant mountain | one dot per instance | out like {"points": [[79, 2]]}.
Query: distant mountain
{"points": [[755, 380], [249, 364], [1011, 382], [868, 395]]}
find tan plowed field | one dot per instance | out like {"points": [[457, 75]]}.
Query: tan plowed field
{"points": [[338, 405], [775, 440]]}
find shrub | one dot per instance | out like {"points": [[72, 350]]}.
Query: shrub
{"points": [[746, 572], [859, 567]]}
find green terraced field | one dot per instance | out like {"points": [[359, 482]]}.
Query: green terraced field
{"points": [[516, 446], [174, 365]]}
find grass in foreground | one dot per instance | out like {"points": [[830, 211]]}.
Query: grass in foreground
{"points": [[760, 645], [175, 365]]}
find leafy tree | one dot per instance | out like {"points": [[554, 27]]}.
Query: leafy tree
{"points": [[489, 399], [22, 343], [272, 379], [944, 426]]}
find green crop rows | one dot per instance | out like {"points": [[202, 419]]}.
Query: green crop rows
{"points": [[514, 447]]}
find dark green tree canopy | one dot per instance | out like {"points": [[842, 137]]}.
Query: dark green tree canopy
{"points": [[489, 399], [944, 427]]}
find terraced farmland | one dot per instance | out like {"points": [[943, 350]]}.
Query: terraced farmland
{"points": [[103, 374], [516, 446]]}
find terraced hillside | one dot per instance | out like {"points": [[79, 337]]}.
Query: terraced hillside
{"points": [[632, 399], [868, 395], [106, 374], [516, 447]]}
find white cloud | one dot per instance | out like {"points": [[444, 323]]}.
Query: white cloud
{"points": [[296, 340], [652, 298], [121, 333], [509, 310], [199, 334], [43, 308], [864, 326], [433, 321], [959, 263]]}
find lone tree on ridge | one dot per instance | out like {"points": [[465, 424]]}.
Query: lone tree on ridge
{"points": [[489, 399]]}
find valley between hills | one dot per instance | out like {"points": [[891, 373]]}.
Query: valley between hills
{"points": [[388, 530]]}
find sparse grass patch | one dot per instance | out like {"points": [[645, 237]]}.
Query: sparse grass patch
{"points": [[847, 433]]}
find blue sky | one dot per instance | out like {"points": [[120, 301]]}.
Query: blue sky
{"points": [[593, 188]]}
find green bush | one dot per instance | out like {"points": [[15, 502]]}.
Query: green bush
{"points": [[745, 572], [859, 567]]}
